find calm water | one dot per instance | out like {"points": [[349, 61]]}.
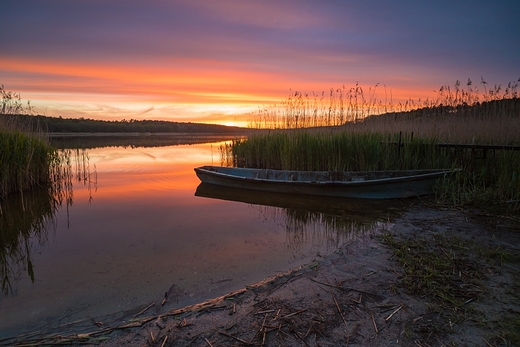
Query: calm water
{"points": [[141, 226]]}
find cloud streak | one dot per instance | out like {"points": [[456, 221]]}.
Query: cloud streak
{"points": [[159, 54]]}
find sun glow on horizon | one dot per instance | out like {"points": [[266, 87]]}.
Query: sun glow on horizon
{"points": [[214, 94]]}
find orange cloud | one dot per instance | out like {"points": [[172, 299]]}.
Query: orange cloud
{"points": [[200, 90]]}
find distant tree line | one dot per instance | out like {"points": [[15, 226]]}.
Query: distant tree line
{"points": [[487, 109], [76, 125]]}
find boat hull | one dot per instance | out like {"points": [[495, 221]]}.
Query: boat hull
{"points": [[365, 185]]}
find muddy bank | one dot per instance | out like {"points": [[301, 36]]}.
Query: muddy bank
{"points": [[358, 295]]}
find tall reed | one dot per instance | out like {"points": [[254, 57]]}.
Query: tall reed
{"points": [[344, 105], [24, 161], [25, 153], [25, 219], [339, 151], [494, 179]]}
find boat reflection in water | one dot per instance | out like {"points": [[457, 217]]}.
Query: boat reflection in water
{"points": [[317, 220]]}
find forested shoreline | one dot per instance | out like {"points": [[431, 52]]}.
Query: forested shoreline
{"points": [[84, 125]]}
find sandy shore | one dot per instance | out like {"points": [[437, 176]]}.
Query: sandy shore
{"points": [[354, 296]]}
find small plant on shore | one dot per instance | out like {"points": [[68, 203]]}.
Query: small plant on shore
{"points": [[449, 273]]}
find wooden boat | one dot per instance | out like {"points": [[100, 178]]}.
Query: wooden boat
{"points": [[353, 184]]}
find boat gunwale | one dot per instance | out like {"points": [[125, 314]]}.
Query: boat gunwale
{"points": [[421, 174]]}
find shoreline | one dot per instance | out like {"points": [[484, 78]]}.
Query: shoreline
{"points": [[352, 296], [145, 134]]}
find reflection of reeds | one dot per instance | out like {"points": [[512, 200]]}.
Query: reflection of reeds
{"points": [[309, 228], [26, 217], [23, 227], [318, 229]]}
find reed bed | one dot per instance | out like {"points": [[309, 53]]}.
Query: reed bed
{"points": [[350, 129], [493, 179], [343, 105], [24, 161], [25, 218], [336, 151], [25, 153], [492, 122]]}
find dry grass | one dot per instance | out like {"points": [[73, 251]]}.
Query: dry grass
{"points": [[352, 105], [25, 154]]}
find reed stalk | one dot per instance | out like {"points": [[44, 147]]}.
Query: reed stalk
{"points": [[352, 105], [494, 179], [346, 129], [25, 153]]}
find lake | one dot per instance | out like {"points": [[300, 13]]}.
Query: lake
{"points": [[134, 223]]}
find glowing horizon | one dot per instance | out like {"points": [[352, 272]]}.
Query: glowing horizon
{"points": [[219, 62]]}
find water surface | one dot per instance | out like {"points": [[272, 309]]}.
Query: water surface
{"points": [[140, 225]]}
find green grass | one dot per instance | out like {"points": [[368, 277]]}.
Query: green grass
{"points": [[25, 154], [449, 272], [360, 126], [310, 150], [491, 181], [24, 161], [438, 267]]}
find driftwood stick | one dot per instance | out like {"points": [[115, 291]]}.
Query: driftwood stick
{"points": [[295, 332], [263, 330], [325, 284], [293, 314], [390, 316], [144, 310], [374, 322], [235, 338], [342, 317], [164, 342]]}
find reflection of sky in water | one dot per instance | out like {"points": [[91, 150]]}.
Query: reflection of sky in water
{"points": [[145, 233]]}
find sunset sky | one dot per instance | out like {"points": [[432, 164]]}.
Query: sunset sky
{"points": [[216, 61]]}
